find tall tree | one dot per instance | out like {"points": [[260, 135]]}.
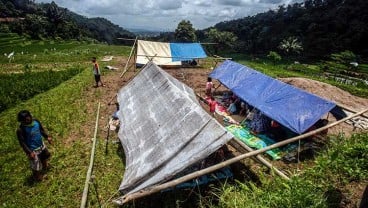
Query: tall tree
{"points": [[185, 32], [223, 40]]}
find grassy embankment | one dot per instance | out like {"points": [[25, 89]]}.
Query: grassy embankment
{"points": [[63, 110]]}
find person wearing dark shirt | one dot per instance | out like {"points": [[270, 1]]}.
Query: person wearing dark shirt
{"points": [[30, 133]]}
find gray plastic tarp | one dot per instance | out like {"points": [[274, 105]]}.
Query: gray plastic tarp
{"points": [[163, 129]]}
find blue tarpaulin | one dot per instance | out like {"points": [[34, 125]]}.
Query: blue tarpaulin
{"points": [[186, 51], [294, 108]]}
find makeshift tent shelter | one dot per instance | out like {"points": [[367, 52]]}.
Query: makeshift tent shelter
{"points": [[294, 108], [163, 129], [167, 53]]}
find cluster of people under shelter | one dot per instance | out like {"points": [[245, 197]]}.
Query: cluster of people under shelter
{"points": [[227, 104]]}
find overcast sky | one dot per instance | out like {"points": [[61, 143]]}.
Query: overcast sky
{"points": [[165, 15]]}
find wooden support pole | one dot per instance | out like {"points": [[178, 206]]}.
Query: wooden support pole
{"points": [[130, 56], [89, 172], [128, 197], [126, 39]]}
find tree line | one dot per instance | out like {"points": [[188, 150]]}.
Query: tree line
{"points": [[322, 26], [313, 28], [48, 20]]}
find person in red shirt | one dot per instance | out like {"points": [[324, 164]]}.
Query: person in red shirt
{"points": [[212, 103]]}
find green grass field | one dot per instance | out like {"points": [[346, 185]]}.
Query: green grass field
{"points": [[67, 113]]}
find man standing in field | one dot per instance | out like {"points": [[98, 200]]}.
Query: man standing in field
{"points": [[30, 133], [96, 72]]}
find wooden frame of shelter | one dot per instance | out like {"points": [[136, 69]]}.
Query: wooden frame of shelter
{"points": [[156, 188], [131, 62]]}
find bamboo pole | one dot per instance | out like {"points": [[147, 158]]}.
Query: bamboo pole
{"points": [[199, 43], [260, 159], [89, 172], [128, 197], [126, 39], [350, 109], [130, 55]]}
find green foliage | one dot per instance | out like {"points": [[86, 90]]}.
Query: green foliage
{"points": [[274, 56], [323, 26], [345, 57], [185, 32], [20, 87], [51, 51], [346, 159], [222, 40], [277, 193], [65, 112], [341, 62], [48, 20], [60, 110], [291, 45]]}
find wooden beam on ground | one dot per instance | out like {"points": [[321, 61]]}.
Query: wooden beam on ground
{"points": [[89, 172], [148, 191]]}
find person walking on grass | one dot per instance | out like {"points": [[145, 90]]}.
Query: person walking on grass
{"points": [[96, 72], [30, 133]]}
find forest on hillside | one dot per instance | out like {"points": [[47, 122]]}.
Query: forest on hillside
{"points": [[322, 27], [317, 28], [48, 20]]}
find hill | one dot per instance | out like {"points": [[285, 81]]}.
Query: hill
{"points": [[321, 26], [48, 20]]}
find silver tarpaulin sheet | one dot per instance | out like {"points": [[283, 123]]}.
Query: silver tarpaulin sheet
{"points": [[163, 129]]}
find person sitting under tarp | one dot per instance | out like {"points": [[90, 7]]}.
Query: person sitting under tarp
{"points": [[259, 123], [277, 131], [232, 109], [243, 109]]}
